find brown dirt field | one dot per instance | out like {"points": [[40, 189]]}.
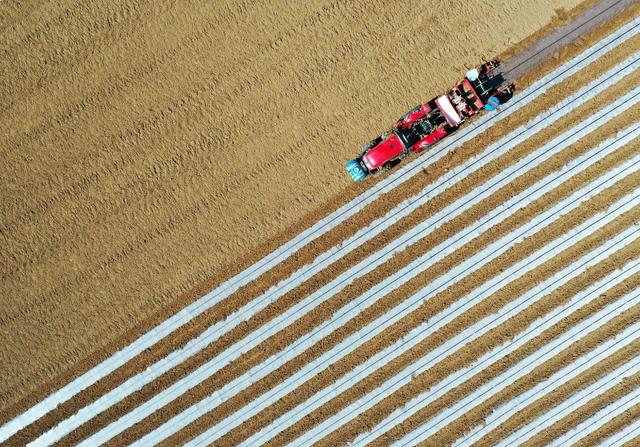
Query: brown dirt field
{"points": [[217, 312], [557, 162], [123, 126], [219, 379], [271, 346]]}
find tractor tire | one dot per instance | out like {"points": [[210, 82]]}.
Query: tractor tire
{"points": [[369, 145], [388, 165]]}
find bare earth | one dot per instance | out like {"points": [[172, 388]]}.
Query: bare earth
{"points": [[149, 146], [138, 119]]}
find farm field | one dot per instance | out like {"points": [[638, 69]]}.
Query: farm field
{"points": [[143, 158], [485, 293]]}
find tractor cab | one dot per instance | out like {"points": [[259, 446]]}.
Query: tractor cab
{"points": [[388, 150], [377, 156]]}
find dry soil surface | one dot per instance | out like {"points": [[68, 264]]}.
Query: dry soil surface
{"points": [[147, 146]]}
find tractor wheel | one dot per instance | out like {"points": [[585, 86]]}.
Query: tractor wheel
{"points": [[369, 145], [388, 165]]}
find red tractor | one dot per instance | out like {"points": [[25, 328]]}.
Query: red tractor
{"points": [[427, 123]]}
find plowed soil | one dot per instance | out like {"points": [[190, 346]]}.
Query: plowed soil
{"points": [[140, 137], [148, 146]]}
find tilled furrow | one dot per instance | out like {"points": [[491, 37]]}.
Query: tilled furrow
{"points": [[112, 36], [136, 79], [220, 90]]}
